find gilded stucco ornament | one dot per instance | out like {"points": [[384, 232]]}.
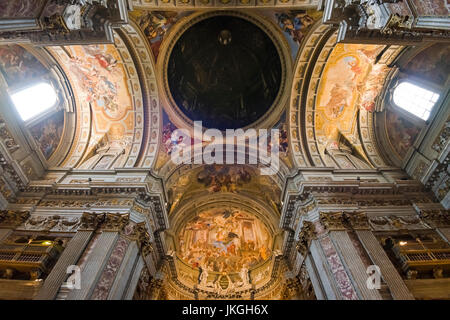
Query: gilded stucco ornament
{"points": [[307, 233], [436, 217], [115, 222], [12, 218], [90, 220]]}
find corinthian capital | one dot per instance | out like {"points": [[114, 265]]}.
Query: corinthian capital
{"points": [[332, 220], [115, 221], [357, 220]]}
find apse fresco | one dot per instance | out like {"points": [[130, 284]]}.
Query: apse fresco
{"points": [[432, 63], [48, 132], [402, 132], [349, 81], [18, 65], [224, 240]]}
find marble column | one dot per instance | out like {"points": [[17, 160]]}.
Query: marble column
{"points": [[132, 284], [312, 272], [323, 272], [389, 273], [94, 265], [70, 256], [124, 273], [354, 264]]}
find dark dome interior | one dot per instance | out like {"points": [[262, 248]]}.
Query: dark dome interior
{"points": [[224, 71]]}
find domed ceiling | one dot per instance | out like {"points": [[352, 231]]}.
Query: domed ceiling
{"points": [[224, 71], [224, 240]]}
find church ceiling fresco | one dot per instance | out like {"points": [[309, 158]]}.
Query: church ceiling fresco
{"points": [[402, 132], [283, 141], [98, 74], [19, 66], [98, 71], [429, 65], [48, 133], [224, 241], [350, 81], [155, 24], [168, 144], [295, 25], [225, 71], [217, 179], [432, 64]]}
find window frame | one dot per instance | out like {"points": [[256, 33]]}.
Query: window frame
{"points": [[424, 85], [43, 114]]}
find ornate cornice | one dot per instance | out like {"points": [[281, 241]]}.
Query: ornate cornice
{"points": [[51, 223], [340, 221], [94, 23], [90, 221], [436, 218], [12, 219]]}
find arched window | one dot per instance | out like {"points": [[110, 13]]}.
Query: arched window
{"points": [[415, 99], [34, 100]]}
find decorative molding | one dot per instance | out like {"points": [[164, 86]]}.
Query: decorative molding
{"points": [[224, 4], [344, 220], [378, 22], [53, 223], [69, 22], [396, 222], [12, 219], [439, 218]]}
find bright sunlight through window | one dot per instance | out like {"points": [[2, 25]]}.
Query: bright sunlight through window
{"points": [[415, 99], [33, 100]]}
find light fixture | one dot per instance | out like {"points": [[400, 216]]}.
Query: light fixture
{"points": [[225, 37], [403, 243]]}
